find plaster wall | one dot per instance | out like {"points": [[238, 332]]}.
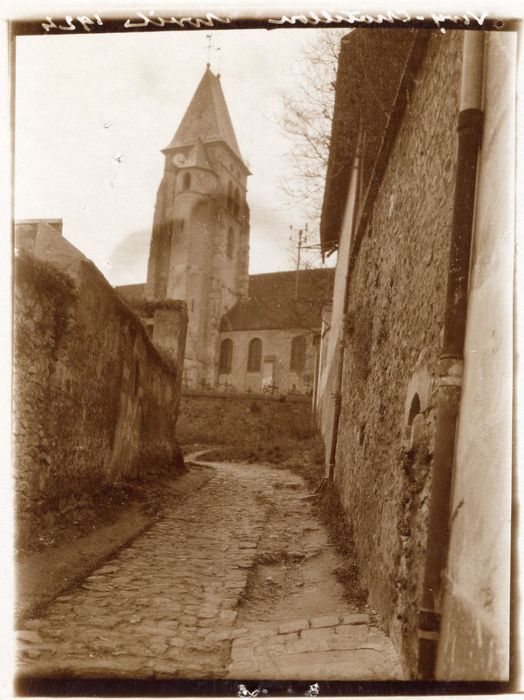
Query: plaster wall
{"points": [[276, 344], [330, 352], [475, 627]]}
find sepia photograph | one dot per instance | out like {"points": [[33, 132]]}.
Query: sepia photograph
{"points": [[263, 351]]}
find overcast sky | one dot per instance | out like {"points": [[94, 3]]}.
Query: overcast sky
{"points": [[93, 112]]}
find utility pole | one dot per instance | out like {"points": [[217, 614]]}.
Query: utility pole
{"points": [[301, 241]]}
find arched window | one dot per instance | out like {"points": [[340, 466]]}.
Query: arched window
{"points": [[186, 182], [254, 356], [226, 356], [236, 203], [230, 196], [230, 242], [298, 354]]}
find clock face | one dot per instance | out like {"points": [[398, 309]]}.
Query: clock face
{"points": [[179, 159]]}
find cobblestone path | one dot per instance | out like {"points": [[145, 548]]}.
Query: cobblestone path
{"points": [[166, 606]]}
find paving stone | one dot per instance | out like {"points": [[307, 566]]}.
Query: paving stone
{"points": [[228, 616], [294, 626], [324, 621], [317, 633], [242, 652], [28, 636], [166, 605], [243, 669], [32, 624], [218, 636], [354, 619]]}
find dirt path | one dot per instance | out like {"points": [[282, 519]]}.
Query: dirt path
{"points": [[236, 582]]}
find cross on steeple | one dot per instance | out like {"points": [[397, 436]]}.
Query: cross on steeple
{"points": [[209, 45]]}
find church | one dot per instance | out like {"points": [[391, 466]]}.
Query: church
{"points": [[245, 332]]}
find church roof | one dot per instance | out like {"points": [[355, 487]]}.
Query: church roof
{"points": [[200, 157], [207, 117], [271, 303]]}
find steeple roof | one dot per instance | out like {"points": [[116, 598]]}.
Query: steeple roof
{"points": [[207, 117], [200, 157]]}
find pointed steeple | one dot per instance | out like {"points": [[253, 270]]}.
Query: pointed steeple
{"points": [[207, 117]]}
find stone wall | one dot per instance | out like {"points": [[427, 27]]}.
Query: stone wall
{"points": [[214, 418], [396, 302], [95, 402]]}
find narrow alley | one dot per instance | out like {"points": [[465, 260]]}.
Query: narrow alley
{"points": [[235, 582]]}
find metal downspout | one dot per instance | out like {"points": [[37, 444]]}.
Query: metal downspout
{"points": [[451, 357]]}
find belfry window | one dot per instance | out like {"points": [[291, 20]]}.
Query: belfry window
{"points": [[254, 356], [230, 242], [236, 203], [229, 203], [186, 181], [226, 356], [298, 354]]}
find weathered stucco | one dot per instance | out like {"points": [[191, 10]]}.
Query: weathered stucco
{"points": [[95, 402], [275, 362], [394, 320], [475, 630], [333, 327]]}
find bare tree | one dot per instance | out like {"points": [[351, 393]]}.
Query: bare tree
{"points": [[306, 119]]}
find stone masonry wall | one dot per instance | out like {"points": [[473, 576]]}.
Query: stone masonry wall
{"points": [[215, 418], [393, 327], [95, 402]]}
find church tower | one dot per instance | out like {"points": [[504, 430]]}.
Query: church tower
{"points": [[200, 243]]}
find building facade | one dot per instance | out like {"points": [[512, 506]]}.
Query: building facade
{"points": [[414, 398], [269, 340]]}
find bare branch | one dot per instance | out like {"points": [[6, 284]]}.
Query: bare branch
{"points": [[306, 118]]}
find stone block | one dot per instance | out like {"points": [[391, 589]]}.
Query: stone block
{"points": [[176, 642], [317, 633], [324, 621], [240, 653], [29, 636], [342, 642], [294, 626], [352, 630], [354, 619], [227, 616], [242, 669]]}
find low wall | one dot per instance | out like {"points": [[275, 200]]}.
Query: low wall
{"points": [[243, 420], [94, 401]]}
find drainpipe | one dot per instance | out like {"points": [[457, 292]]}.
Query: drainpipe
{"points": [[451, 357], [338, 405]]}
